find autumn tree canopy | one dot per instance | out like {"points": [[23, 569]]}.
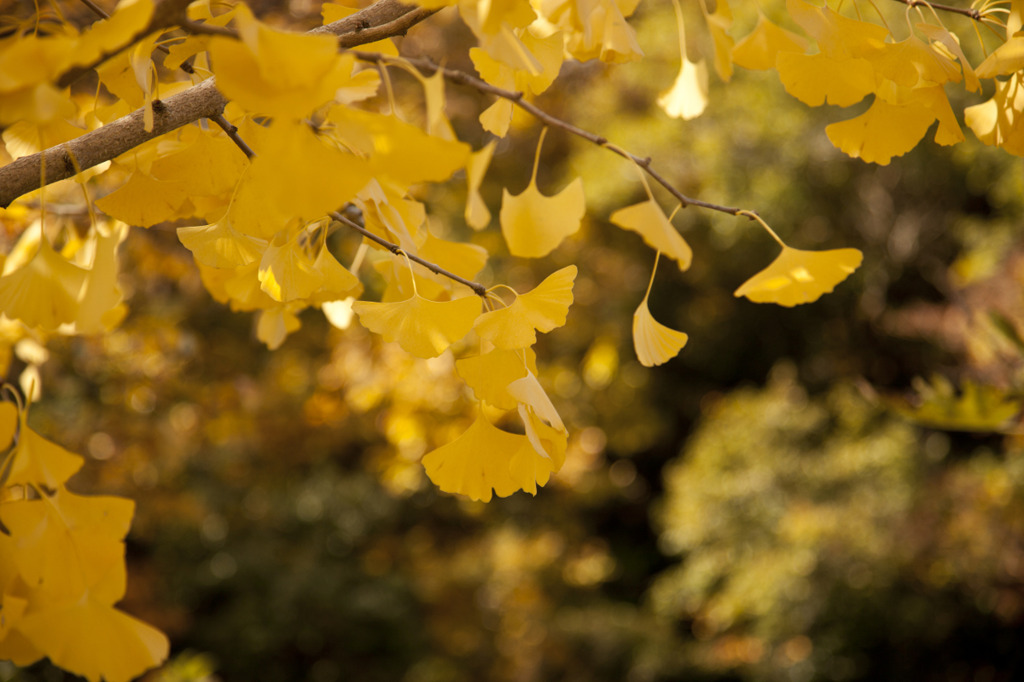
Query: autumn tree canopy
{"points": [[298, 167]]}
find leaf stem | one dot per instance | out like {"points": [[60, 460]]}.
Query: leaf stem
{"points": [[754, 216]]}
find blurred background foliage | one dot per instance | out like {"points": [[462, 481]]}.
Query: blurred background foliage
{"points": [[831, 492]]}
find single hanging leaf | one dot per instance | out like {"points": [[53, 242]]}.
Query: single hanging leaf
{"points": [[529, 392], [534, 224], [798, 276], [655, 344], [100, 308], [688, 96], [421, 327], [542, 309], [649, 221]]}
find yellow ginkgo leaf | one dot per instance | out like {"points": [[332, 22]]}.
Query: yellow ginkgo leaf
{"points": [[649, 221], [529, 392], [490, 374], [941, 35], [883, 131], [338, 281], [220, 245], [544, 455], [95, 640], [762, 45], [280, 74], [477, 462], [818, 78], [1000, 121], [38, 461], [655, 343], [286, 270], [719, 23], [422, 327], [275, 324], [478, 216], [534, 224], [688, 96], [542, 309], [1006, 59], [798, 276], [44, 292], [100, 307], [145, 201]]}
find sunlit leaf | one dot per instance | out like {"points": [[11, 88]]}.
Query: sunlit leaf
{"points": [[534, 224], [649, 221], [655, 344], [542, 309], [798, 276], [421, 327], [490, 374], [759, 49]]}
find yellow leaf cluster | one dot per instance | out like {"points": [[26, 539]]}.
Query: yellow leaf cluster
{"points": [[62, 566]]}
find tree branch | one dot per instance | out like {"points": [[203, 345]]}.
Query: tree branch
{"points": [[518, 99], [965, 11], [478, 289], [383, 19]]}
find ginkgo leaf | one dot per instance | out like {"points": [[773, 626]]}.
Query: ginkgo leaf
{"points": [[220, 245], [337, 282], [798, 276], [421, 327], [818, 78], [941, 35], [145, 201], [542, 309], [476, 463], [882, 132], [44, 292], [719, 23], [534, 224], [1000, 120], [286, 270], [100, 307], [649, 221], [544, 456], [760, 48], [1006, 59], [688, 96], [479, 462], [490, 374], [655, 344], [275, 324], [280, 74], [95, 640], [529, 392], [477, 215]]}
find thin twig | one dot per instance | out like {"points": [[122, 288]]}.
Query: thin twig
{"points": [[969, 12], [519, 100], [478, 289]]}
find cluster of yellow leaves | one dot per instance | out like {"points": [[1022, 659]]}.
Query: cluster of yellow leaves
{"points": [[856, 58], [62, 565]]}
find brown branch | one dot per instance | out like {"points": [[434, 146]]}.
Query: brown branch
{"points": [[969, 12], [478, 289], [518, 99], [383, 19]]}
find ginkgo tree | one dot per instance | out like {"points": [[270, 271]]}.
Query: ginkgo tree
{"points": [[264, 144]]}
